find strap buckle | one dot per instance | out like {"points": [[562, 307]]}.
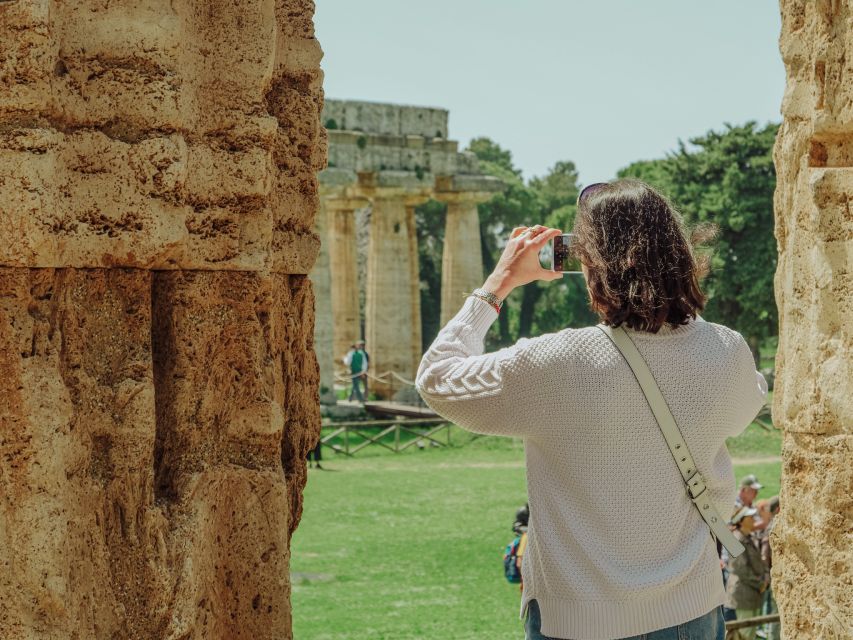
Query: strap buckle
{"points": [[695, 486]]}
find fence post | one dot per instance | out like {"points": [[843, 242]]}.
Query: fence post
{"points": [[346, 439], [397, 438]]}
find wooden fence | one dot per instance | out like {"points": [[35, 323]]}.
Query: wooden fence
{"points": [[733, 625], [374, 432]]}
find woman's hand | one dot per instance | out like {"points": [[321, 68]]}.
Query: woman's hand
{"points": [[519, 263]]}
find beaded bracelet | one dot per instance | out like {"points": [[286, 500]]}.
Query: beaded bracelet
{"points": [[489, 297]]}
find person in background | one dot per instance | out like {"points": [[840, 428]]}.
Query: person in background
{"points": [[356, 360], [522, 516], [763, 514], [773, 629], [749, 576], [317, 453], [749, 488]]}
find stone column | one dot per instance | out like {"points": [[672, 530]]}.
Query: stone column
{"points": [[415, 275], [812, 541], [392, 319], [462, 259], [343, 258], [158, 383], [321, 279]]}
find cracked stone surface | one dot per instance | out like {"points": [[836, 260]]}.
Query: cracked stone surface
{"points": [[813, 402], [158, 381]]}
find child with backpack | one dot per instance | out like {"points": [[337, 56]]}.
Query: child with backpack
{"points": [[515, 549]]}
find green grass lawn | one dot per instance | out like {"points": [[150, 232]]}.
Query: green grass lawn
{"points": [[406, 546]]}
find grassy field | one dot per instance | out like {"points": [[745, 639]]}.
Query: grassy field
{"points": [[408, 546]]}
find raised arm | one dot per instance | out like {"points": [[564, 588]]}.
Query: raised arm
{"points": [[478, 391], [481, 391]]}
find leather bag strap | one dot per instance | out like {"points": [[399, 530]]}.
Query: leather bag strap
{"points": [[693, 480]]}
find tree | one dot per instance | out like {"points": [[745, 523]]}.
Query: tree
{"points": [[493, 159], [550, 200], [515, 206], [728, 178]]}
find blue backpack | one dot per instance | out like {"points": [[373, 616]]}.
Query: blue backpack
{"points": [[511, 570]]}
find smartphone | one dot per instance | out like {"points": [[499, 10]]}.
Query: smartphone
{"points": [[563, 255]]}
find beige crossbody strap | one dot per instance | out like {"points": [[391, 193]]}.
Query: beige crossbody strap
{"points": [[695, 483]]}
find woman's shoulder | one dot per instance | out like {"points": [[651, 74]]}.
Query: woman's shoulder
{"points": [[562, 344], [726, 335]]}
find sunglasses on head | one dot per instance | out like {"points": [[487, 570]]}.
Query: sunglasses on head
{"points": [[590, 189]]}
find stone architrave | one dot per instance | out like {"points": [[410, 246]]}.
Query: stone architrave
{"points": [[158, 383], [462, 258], [343, 253], [392, 295], [812, 542]]}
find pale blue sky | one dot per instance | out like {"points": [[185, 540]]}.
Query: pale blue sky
{"points": [[599, 82]]}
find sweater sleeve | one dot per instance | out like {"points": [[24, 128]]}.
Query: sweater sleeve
{"points": [[480, 392], [754, 388]]}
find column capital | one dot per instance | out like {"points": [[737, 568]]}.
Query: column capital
{"points": [[417, 199]]}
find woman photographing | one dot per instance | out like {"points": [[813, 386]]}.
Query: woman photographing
{"points": [[617, 546]]}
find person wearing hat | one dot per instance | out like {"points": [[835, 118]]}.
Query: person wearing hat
{"points": [[356, 359], [749, 575], [749, 486]]}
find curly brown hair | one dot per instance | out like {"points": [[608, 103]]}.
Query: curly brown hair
{"points": [[642, 270]]}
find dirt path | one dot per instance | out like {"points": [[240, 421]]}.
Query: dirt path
{"points": [[756, 459], [519, 464]]}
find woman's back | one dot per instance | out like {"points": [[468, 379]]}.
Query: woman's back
{"points": [[611, 526], [616, 547]]}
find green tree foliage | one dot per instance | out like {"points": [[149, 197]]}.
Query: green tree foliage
{"points": [[724, 177], [727, 177], [540, 306], [494, 160]]}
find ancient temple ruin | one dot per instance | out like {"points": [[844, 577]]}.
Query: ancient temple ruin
{"points": [[159, 386], [392, 158], [813, 401]]}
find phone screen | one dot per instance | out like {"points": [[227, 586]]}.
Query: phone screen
{"points": [[562, 256]]}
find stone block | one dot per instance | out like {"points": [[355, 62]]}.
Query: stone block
{"points": [[382, 118], [812, 563], [84, 554], [232, 556], [122, 126]]}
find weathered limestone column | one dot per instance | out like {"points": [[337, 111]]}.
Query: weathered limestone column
{"points": [[415, 274], [462, 259], [158, 382], [392, 340], [813, 400], [343, 254], [321, 281]]}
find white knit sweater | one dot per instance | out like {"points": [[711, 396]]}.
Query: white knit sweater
{"points": [[616, 548]]}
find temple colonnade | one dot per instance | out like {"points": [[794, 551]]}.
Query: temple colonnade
{"points": [[392, 314]]}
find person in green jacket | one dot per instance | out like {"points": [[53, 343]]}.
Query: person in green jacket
{"points": [[356, 359], [749, 575]]}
